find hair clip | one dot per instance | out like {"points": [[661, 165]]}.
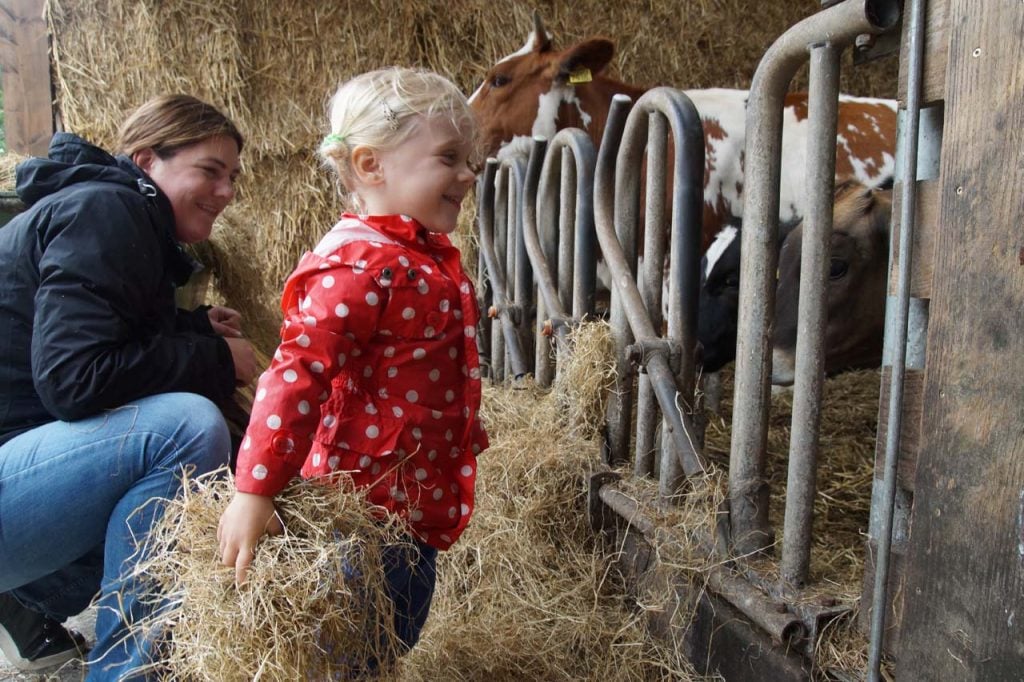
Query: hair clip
{"points": [[391, 116], [333, 138]]}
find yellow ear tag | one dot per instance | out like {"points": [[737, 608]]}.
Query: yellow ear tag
{"points": [[580, 75]]}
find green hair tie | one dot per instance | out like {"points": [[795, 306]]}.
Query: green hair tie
{"points": [[333, 138]]}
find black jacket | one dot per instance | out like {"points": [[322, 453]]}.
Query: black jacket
{"points": [[87, 276]]}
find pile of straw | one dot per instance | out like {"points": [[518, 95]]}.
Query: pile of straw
{"points": [[313, 605]]}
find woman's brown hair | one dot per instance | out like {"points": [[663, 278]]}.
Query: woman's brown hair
{"points": [[168, 123]]}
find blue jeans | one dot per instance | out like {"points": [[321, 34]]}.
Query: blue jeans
{"points": [[77, 497]]}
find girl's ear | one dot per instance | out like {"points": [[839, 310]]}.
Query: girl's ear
{"points": [[366, 165], [144, 159]]}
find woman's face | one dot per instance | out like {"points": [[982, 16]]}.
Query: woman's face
{"points": [[199, 180]]}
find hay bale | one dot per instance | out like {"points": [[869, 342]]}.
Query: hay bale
{"points": [[314, 604]]}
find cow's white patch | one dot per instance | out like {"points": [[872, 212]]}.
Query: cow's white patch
{"points": [[722, 241], [546, 123], [727, 109], [526, 49]]}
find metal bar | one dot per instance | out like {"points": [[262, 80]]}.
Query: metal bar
{"points": [[509, 334], [908, 205], [614, 237], [647, 414], [748, 488], [823, 107], [522, 282], [498, 357]]}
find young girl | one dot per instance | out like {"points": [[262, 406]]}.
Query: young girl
{"points": [[377, 372]]}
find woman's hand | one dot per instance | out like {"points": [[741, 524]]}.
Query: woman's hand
{"points": [[244, 359], [247, 518], [225, 321]]}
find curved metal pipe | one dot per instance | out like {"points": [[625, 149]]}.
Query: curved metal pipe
{"points": [[748, 487]]}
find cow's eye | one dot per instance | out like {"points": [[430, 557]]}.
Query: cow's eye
{"points": [[837, 269], [499, 80], [732, 281]]}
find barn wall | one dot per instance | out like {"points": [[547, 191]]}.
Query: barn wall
{"points": [[272, 70]]}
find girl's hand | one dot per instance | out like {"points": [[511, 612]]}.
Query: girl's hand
{"points": [[247, 518], [225, 321]]}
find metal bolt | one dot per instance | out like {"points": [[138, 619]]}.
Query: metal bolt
{"points": [[977, 52], [865, 41], [960, 189]]}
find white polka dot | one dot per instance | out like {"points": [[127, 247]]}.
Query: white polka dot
{"points": [[408, 313], [435, 374], [278, 355], [452, 511], [448, 435], [372, 298], [398, 495], [261, 394], [429, 332], [332, 461], [322, 397], [454, 452], [330, 420], [476, 448], [392, 372], [416, 433], [457, 314], [274, 421], [474, 373], [375, 469], [341, 310], [445, 538], [367, 371], [412, 396], [432, 455], [415, 515], [290, 375], [365, 461], [389, 352], [327, 282], [259, 472], [316, 459], [383, 393], [466, 470], [309, 321], [465, 412], [334, 258], [375, 244], [397, 411], [341, 359], [465, 510], [302, 340], [359, 267], [303, 407], [247, 443], [419, 354], [372, 431], [371, 408], [469, 331], [324, 266], [404, 261], [305, 303], [465, 371], [316, 367], [449, 395], [464, 287], [445, 305], [453, 353], [421, 474], [436, 414], [423, 287], [438, 494], [355, 351], [454, 487], [427, 269]]}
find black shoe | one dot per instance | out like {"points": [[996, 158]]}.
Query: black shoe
{"points": [[31, 641]]}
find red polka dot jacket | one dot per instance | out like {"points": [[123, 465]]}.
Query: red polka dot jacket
{"points": [[377, 374]]}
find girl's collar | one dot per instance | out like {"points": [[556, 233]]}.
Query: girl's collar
{"points": [[400, 227]]}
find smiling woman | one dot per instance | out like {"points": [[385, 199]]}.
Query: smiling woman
{"points": [[107, 390]]}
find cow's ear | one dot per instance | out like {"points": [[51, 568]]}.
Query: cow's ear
{"points": [[541, 40], [591, 55]]}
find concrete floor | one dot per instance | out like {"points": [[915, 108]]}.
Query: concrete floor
{"points": [[72, 671]]}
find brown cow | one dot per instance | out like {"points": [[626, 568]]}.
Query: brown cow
{"points": [[539, 90], [858, 274]]}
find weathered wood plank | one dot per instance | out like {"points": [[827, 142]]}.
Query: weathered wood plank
{"points": [[926, 227], [965, 567], [28, 101], [935, 54]]}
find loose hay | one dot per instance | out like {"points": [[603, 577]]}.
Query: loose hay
{"points": [[314, 604]]}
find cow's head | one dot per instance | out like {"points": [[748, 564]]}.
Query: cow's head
{"points": [[523, 93], [856, 285], [719, 294]]}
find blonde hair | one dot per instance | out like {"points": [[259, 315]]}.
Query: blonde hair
{"points": [[168, 123], [380, 109]]}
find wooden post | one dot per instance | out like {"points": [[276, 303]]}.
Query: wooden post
{"points": [[964, 596], [25, 59]]}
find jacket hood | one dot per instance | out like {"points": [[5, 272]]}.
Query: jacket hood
{"points": [[72, 160]]}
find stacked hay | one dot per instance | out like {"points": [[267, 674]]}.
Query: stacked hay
{"points": [[272, 69]]}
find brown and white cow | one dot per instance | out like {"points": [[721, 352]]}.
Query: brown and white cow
{"points": [[857, 285], [533, 92]]}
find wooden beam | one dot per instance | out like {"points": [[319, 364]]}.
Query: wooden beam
{"points": [[965, 566], [935, 54], [25, 59]]}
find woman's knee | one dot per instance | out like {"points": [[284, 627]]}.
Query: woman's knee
{"points": [[195, 427]]}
